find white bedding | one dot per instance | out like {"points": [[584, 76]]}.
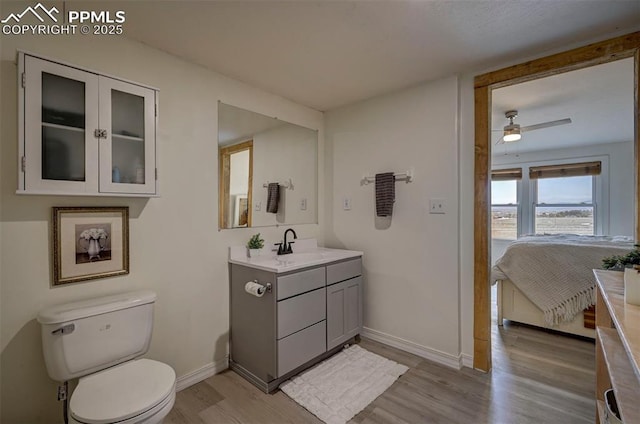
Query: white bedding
{"points": [[555, 271]]}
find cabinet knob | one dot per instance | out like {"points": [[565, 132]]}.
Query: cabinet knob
{"points": [[98, 133]]}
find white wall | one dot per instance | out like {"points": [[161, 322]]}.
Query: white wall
{"points": [[390, 133], [175, 247], [411, 287], [282, 154]]}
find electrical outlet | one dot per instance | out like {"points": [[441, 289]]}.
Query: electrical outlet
{"points": [[438, 206], [303, 204], [258, 206], [346, 204]]}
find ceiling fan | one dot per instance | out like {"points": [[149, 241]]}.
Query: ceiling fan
{"points": [[512, 132]]}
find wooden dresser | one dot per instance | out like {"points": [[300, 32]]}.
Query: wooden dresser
{"points": [[617, 347]]}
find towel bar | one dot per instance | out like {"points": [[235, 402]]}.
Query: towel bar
{"points": [[404, 176], [286, 184]]}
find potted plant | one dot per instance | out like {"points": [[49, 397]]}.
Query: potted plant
{"points": [[630, 264], [255, 244]]}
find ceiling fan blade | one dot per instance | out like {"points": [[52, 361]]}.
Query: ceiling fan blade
{"points": [[500, 141], [546, 125]]}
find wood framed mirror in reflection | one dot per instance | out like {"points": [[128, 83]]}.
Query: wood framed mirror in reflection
{"points": [[255, 153]]}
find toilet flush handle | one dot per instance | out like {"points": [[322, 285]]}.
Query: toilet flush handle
{"points": [[66, 329]]}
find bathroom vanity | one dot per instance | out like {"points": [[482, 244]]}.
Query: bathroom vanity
{"points": [[310, 306]]}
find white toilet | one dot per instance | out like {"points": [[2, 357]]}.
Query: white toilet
{"points": [[98, 340]]}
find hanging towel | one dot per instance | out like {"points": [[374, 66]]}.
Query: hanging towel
{"points": [[273, 195], [385, 193]]}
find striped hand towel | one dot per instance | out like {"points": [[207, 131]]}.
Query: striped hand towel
{"points": [[385, 193], [273, 195]]}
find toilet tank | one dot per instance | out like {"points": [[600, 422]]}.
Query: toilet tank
{"points": [[83, 337]]}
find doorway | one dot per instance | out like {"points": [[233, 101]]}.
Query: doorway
{"points": [[607, 51]]}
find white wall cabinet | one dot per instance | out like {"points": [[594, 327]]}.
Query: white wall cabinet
{"points": [[82, 133]]}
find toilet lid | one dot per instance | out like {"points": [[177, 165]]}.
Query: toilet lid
{"points": [[122, 392]]}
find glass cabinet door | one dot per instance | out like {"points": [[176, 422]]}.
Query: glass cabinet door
{"points": [[60, 117], [127, 155], [63, 128]]}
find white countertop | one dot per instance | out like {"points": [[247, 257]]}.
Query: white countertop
{"points": [[306, 254]]}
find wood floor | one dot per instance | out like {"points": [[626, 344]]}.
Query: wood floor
{"points": [[538, 377]]}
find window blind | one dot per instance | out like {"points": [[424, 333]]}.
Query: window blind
{"points": [[506, 174], [566, 170]]}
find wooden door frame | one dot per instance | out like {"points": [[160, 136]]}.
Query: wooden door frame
{"points": [[224, 155], [593, 54]]}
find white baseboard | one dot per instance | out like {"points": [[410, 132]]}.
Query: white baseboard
{"points": [[467, 360], [411, 347], [200, 374]]}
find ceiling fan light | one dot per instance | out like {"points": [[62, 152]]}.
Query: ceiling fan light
{"points": [[512, 133], [511, 137]]}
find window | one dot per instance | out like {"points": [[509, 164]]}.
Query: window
{"points": [[565, 205], [537, 198], [564, 198], [504, 203]]}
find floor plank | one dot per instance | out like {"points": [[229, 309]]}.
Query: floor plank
{"points": [[538, 377]]}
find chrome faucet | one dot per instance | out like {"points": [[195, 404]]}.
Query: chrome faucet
{"points": [[284, 247]]}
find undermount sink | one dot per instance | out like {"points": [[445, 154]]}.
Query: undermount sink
{"points": [[300, 257], [310, 255]]}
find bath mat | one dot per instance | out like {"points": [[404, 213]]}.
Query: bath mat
{"points": [[337, 389]]}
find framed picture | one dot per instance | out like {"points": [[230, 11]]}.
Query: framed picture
{"points": [[89, 243], [241, 211]]}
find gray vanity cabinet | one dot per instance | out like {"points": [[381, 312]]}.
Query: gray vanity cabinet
{"points": [[305, 317]]}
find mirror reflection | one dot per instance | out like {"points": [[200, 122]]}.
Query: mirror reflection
{"points": [[267, 170]]}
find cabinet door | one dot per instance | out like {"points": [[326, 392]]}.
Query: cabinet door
{"points": [[60, 116], [127, 151], [344, 311]]}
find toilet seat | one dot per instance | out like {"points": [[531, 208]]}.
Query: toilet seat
{"points": [[135, 389]]}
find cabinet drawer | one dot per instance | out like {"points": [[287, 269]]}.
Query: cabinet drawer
{"points": [[344, 270], [301, 311], [301, 347], [300, 282]]}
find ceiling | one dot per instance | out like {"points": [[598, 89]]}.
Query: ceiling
{"points": [[324, 54], [598, 99]]}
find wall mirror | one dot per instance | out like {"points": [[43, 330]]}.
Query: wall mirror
{"points": [[268, 170]]}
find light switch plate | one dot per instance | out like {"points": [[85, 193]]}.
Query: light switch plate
{"points": [[437, 206], [258, 206], [303, 204], [346, 204]]}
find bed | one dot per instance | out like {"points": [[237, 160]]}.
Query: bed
{"points": [[547, 280]]}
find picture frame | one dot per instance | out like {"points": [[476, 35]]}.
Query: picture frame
{"points": [[89, 243], [241, 211]]}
